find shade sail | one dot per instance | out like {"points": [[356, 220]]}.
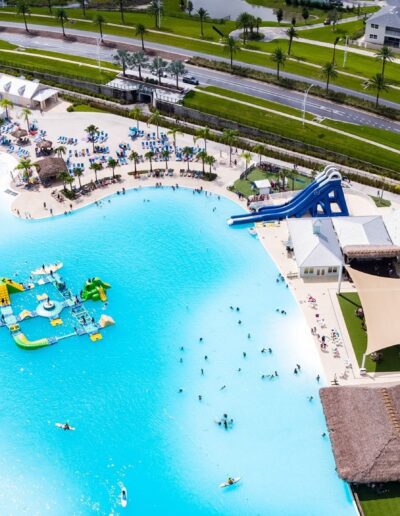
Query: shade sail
{"points": [[380, 299]]}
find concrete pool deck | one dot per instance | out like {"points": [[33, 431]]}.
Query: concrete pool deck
{"points": [[30, 204]]}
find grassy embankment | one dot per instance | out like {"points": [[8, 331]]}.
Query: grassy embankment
{"points": [[319, 136]]}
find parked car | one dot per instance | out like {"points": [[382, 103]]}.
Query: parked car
{"points": [[190, 79]]}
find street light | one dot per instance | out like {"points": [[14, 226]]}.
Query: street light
{"points": [[305, 102], [345, 52], [98, 44]]}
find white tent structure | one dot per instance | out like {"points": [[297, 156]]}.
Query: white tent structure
{"points": [[392, 223], [26, 93], [380, 300]]}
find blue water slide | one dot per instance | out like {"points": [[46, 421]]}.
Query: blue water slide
{"points": [[316, 199]]}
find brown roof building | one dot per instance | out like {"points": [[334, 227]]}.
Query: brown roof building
{"points": [[49, 169], [364, 427]]}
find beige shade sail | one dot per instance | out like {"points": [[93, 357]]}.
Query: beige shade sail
{"points": [[380, 299]]}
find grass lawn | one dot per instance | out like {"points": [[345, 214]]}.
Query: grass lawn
{"points": [[85, 107], [329, 35], [256, 101], [244, 186], [36, 61], [375, 504], [313, 135], [370, 133], [349, 302], [381, 203]]}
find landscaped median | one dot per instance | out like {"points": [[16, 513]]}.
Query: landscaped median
{"points": [[287, 124]]}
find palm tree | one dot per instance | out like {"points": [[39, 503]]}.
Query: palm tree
{"points": [[174, 132], [83, 5], [187, 152], [150, 155], [49, 5], [96, 167], [165, 156], [60, 150], [155, 118], [141, 31], [158, 66], [279, 15], [138, 60], [203, 15], [26, 112], [156, 9], [258, 22], [243, 22], [134, 156], [278, 56], [99, 21], [210, 160], [23, 8], [204, 133], [7, 105], [231, 46], [136, 113], [25, 165], [112, 163], [190, 7], [228, 137], [385, 54], [202, 155], [62, 17], [121, 57], [291, 33], [64, 176], [121, 10], [247, 158], [259, 149], [328, 71], [377, 83], [337, 39], [92, 132], [78, 172], [177, 68]]}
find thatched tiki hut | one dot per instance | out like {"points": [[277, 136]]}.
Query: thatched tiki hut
{"points": [[364, 427], [49, 169]]}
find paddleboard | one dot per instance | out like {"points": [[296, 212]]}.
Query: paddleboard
{"points": [[124, 497], [61, 425], [227, 484], [47, 269]]}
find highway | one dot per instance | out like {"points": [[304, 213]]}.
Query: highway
{"points": [[315, 105]]}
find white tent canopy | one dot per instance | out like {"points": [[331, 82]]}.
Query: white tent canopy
{"points": [[380, 300]]}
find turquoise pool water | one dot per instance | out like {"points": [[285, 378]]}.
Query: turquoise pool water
{"points": [[175, 268]]}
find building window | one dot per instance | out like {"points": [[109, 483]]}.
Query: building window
{"points": [[374, 26], [311, 270], [373, 36]]}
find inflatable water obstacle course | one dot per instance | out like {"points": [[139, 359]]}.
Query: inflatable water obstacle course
{"points": [[95, 289], [51, 305]]}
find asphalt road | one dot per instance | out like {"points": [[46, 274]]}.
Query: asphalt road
{"points": [[315, 105]]}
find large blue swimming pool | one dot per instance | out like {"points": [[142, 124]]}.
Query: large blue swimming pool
{"points": [[175, 268]]}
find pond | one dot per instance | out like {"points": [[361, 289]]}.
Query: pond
{"points": [[232, 9]]}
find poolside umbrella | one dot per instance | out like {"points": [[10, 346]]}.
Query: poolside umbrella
{"points": [[19, 133], [45, 144]]}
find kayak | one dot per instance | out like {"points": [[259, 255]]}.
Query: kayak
{"points": [[61, 425], [124, 497], [47, 269], [227, 484]]}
